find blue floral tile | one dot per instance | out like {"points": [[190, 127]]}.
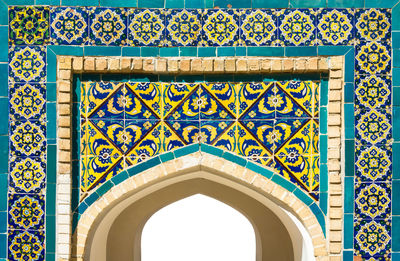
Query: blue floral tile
{"points": [[297, 27], [373, 58], [211, 130], [373, 24], [27, 175], [373, 163], [26, 211], [183, 27], [26, 245], [27, 138], [372, 238], [213, 108], [149, 94], [252, 145], [335, 26], [258, 27], [146, 27], [171, 140], [27, 101], [108, 26], [372, 200], [373, 92], [69, 25], [373, 127], [220, 27], [27, 64], [28, 25], [188, 131]]}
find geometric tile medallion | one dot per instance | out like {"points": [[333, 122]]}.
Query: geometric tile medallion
{"points": [[275, 124]]}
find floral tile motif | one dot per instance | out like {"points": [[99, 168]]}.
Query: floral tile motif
{"points": [[27, 138], [372, 92], [373, 58], [108, 26], [28, 25], [147, 27], [27, 101], [373, 127], [174, 93], [149, 94], [248, 94], [250, 145], [297, 27], [372, 200], [373, 24], [372, 237], [26, 211], [69, 26], [27, 64], [335, 26], [183, 27], [212, 101], [220, 27], [373, 164], [27, 175], [258, 27], [26, 245]]}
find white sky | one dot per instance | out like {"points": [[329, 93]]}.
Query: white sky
{"points": [[198, 228]]}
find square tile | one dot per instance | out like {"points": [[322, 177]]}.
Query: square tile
{"points": [[373, 200], [335, 26], [27, 64], [27, 138], [220, 27], [297, 27], [373, 164], [27, 175], [182, 101], [148, 94], [373, 127], [188, 131], [255, 138], [372, 237], [146, 27], [171, 140], [183, 27], [27, 101], [373, 24], [248, 101], [26, 211], [258, 27], [212, 130], [373, 92], [217, 101], [373, 58], [26, 245], [28, 25], [69, 25], [108, 26]]}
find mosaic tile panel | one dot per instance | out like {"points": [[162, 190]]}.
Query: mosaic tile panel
{"points": [[121, 123]]}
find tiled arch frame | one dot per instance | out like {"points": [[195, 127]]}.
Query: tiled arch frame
{"points": [[328, 245]]}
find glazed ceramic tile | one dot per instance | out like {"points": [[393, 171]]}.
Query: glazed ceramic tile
{"points": [[69, 25], [27, 64], [108, 26], [28, 25], [373, 126], [373, 163], [372, 237], [26, 211], [335, 26], [146, 27], [183, 27], [26, 245], [372, 200], [373, 92], [27, 175], [373, 24], [177, 94], [220, 27], [149, 95], [27, 101], [248, 94], [258, 27], [27, 138], [211, 130], [373, 58]]}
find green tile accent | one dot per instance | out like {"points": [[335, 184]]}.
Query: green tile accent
{"points": [[91, 199], [349, 66], [396, 123], [51, 66], [319, 215], [4, 111], [396, 58], [330, 50], [51, 164], [148, 164], [346, 3], [323, 202], [3, 147], [349, 121], [259, 169], [396, 160], [348, 195], [82, 207], [349, 156], [3, 43], [51, 199], [130, 51], [3, 191], [241, 51], [226, 51], [151, 3], [307, 3], [51, 234], [188, 51], [323, 139], [232, 4], [149, 51], [396, 233], [66, 50], [278, 179], [174, 3], [323, 128], [166, 156], [265, 51], [194, 4], [48, 2], [395, 38], [380, 3], [169, 52], [270, 3], [211, 150], [324, 93], [323, 172], [19, 2], [4, 80], [3, 14], [118, 3], [3, 222], [51, 92], [206, 51], [50, 256], [102, 50], [51, 120], [209, 3], [3, 249], [186, 150], [234, 158], [348, 92], [303, 196], [80, 2], [104, 188], [120, 177], [348, 231], [396, 76], [396, 18], [301, 51]]}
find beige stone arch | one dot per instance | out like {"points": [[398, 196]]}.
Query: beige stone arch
{"points": [[94, 225]]}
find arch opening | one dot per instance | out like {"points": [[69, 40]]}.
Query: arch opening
{"points": [[198, 228], [117, 232]]}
